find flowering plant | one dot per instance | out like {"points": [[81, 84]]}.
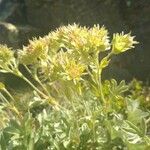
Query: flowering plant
{"points": [[68, 106]]}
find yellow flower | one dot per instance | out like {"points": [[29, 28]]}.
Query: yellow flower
{"points": [[122, 42], [6, 54], [98, 38], [36, 50], [79, 39], [74, 70]]}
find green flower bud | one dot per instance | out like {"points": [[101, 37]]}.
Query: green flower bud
{"points": [[122, 42]]}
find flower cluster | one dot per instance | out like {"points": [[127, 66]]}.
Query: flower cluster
{"points": [[79, 38], [6, 54], [64, 66], [122, 42], [36, 50], [82, 45], [98, 39], [74, 70]]}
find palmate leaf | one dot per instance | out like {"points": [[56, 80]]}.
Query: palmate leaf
{"points": [[114, 89], [130, 133], [135, 114], [118, 89]]}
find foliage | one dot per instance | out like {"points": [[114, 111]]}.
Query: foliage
{"points": [[68, 106], [140, 92]]}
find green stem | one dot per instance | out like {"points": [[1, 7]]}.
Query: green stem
{"points": [[15, 71], [40, 83], [34, 87], [100, 88], [19, 74], [99, 77], [7, 92], [9, 104], [50, 99], [3, 98], [37, 79], [99, 81]]}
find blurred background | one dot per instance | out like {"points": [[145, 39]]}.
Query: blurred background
{"points": [[21, 20]]}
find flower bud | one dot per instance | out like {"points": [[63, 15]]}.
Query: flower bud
{"points": [[122, 42]]}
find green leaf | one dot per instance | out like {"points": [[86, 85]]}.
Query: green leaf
{"points": [[104, 62]]}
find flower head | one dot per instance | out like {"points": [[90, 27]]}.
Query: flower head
{"points": [[36, 50], [79, 39], [69, 37], [98, 38], [6, 54], [122, 42], [74, 70]]}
